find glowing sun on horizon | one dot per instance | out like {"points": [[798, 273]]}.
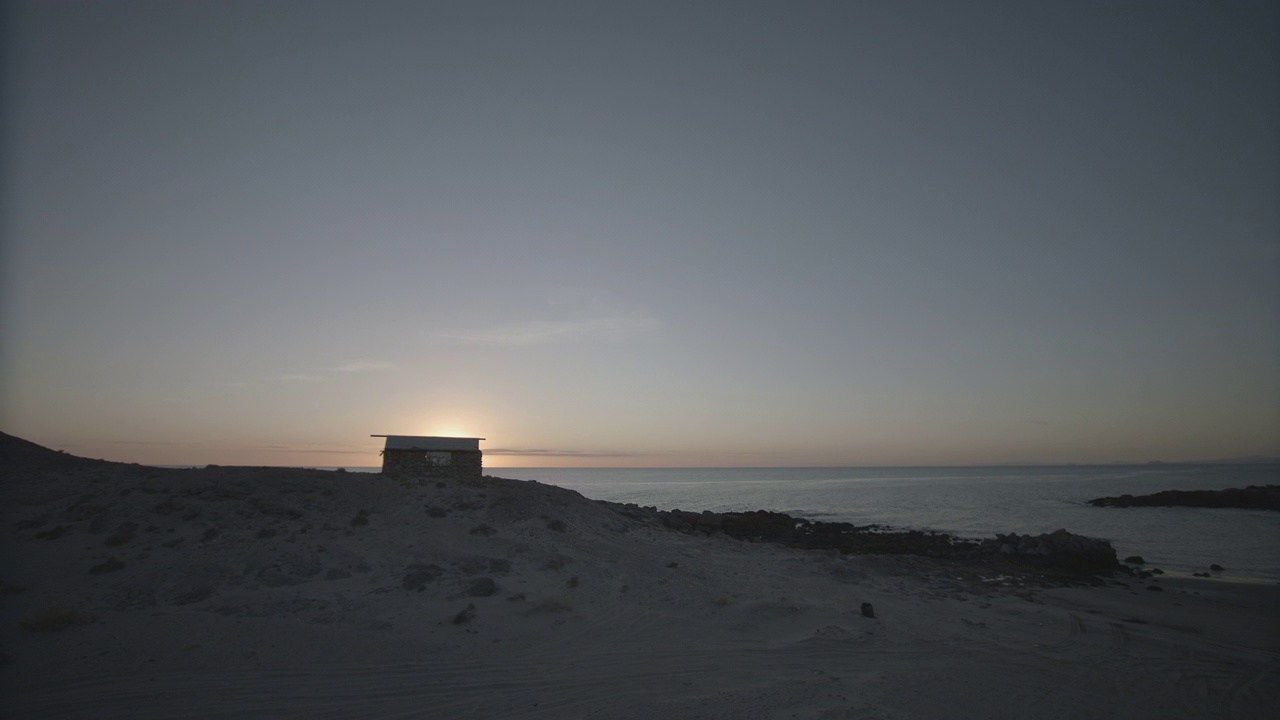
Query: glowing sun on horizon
{"points": [[449, 429]]}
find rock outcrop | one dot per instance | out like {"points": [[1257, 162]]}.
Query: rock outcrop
{"points": [[1254, 497], [1060, 553]]}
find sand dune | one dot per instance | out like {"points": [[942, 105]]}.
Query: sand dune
{"points": [[136, 592]]}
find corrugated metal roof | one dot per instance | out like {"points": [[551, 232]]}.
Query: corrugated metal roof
{"points": [[419, 442]]}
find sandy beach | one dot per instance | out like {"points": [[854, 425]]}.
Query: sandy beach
{"points": [[138, 592]]}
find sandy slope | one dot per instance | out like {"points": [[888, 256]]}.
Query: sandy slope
{"points": [[249, 592]]}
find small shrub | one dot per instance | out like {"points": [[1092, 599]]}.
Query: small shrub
{"points": [[437, 512], [465, 616], [166, 507], [361, 518], [53, 534], [265, 533], [483, 530], [209, 534], [553, 564], [556, 525], [12, 588], [55, 619], [111, 565], [722, 601], [573, 582], [118, 537], [85, 510]]}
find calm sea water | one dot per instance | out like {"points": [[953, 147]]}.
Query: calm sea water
{"points": [[974, 502]]}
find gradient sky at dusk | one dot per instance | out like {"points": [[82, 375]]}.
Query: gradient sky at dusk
{"points": [[649, 233]]}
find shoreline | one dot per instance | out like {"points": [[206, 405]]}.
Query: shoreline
{"points": [[222, 592], [1165, 564]]}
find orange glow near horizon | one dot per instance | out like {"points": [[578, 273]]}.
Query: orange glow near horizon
{"points": [[448, 428]]}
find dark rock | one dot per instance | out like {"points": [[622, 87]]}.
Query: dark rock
{"points": [[1062, 550], [123, 534], [1068, 557], [1155, 588], [868, 610], [1254, 497], [1135, 560], [482, 587], [465, 616], [757, 525], [337, 574], [193, 594], [1216, 567], [274, 577], [419, 575], [111, 565]]}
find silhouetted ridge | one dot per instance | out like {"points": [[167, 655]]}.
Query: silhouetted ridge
{"points": [[18, 453]]}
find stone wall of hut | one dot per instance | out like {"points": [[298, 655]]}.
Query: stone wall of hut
{"points": [[414, 464]]}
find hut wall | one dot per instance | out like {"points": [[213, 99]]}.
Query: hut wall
{"points": [[411, 464]]}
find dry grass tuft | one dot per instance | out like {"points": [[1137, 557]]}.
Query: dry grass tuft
{"points": [[111, 565], [483, 530], [119, 537], [9, 588], [56, 619], [465, 616]]}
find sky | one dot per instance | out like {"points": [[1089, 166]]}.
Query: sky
{"points": [[642, 234]]}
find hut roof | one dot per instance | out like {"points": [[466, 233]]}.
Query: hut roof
{"points": [[426, 442]]}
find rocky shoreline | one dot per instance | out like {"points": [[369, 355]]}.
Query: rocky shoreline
{"points": [[1254, 497], [1059, 556]]}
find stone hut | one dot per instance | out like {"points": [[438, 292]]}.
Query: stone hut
{"points": [[407, 457]]}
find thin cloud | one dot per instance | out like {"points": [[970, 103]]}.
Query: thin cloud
{"points": [[334, 449], [364, 366], [345, 369], [537, 332], [302, 377], [543, 452]]}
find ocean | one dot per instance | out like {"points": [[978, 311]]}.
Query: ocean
{"points": [[975, 502]]}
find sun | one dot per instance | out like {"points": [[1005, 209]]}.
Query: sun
{"points": [[449, 428]]}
